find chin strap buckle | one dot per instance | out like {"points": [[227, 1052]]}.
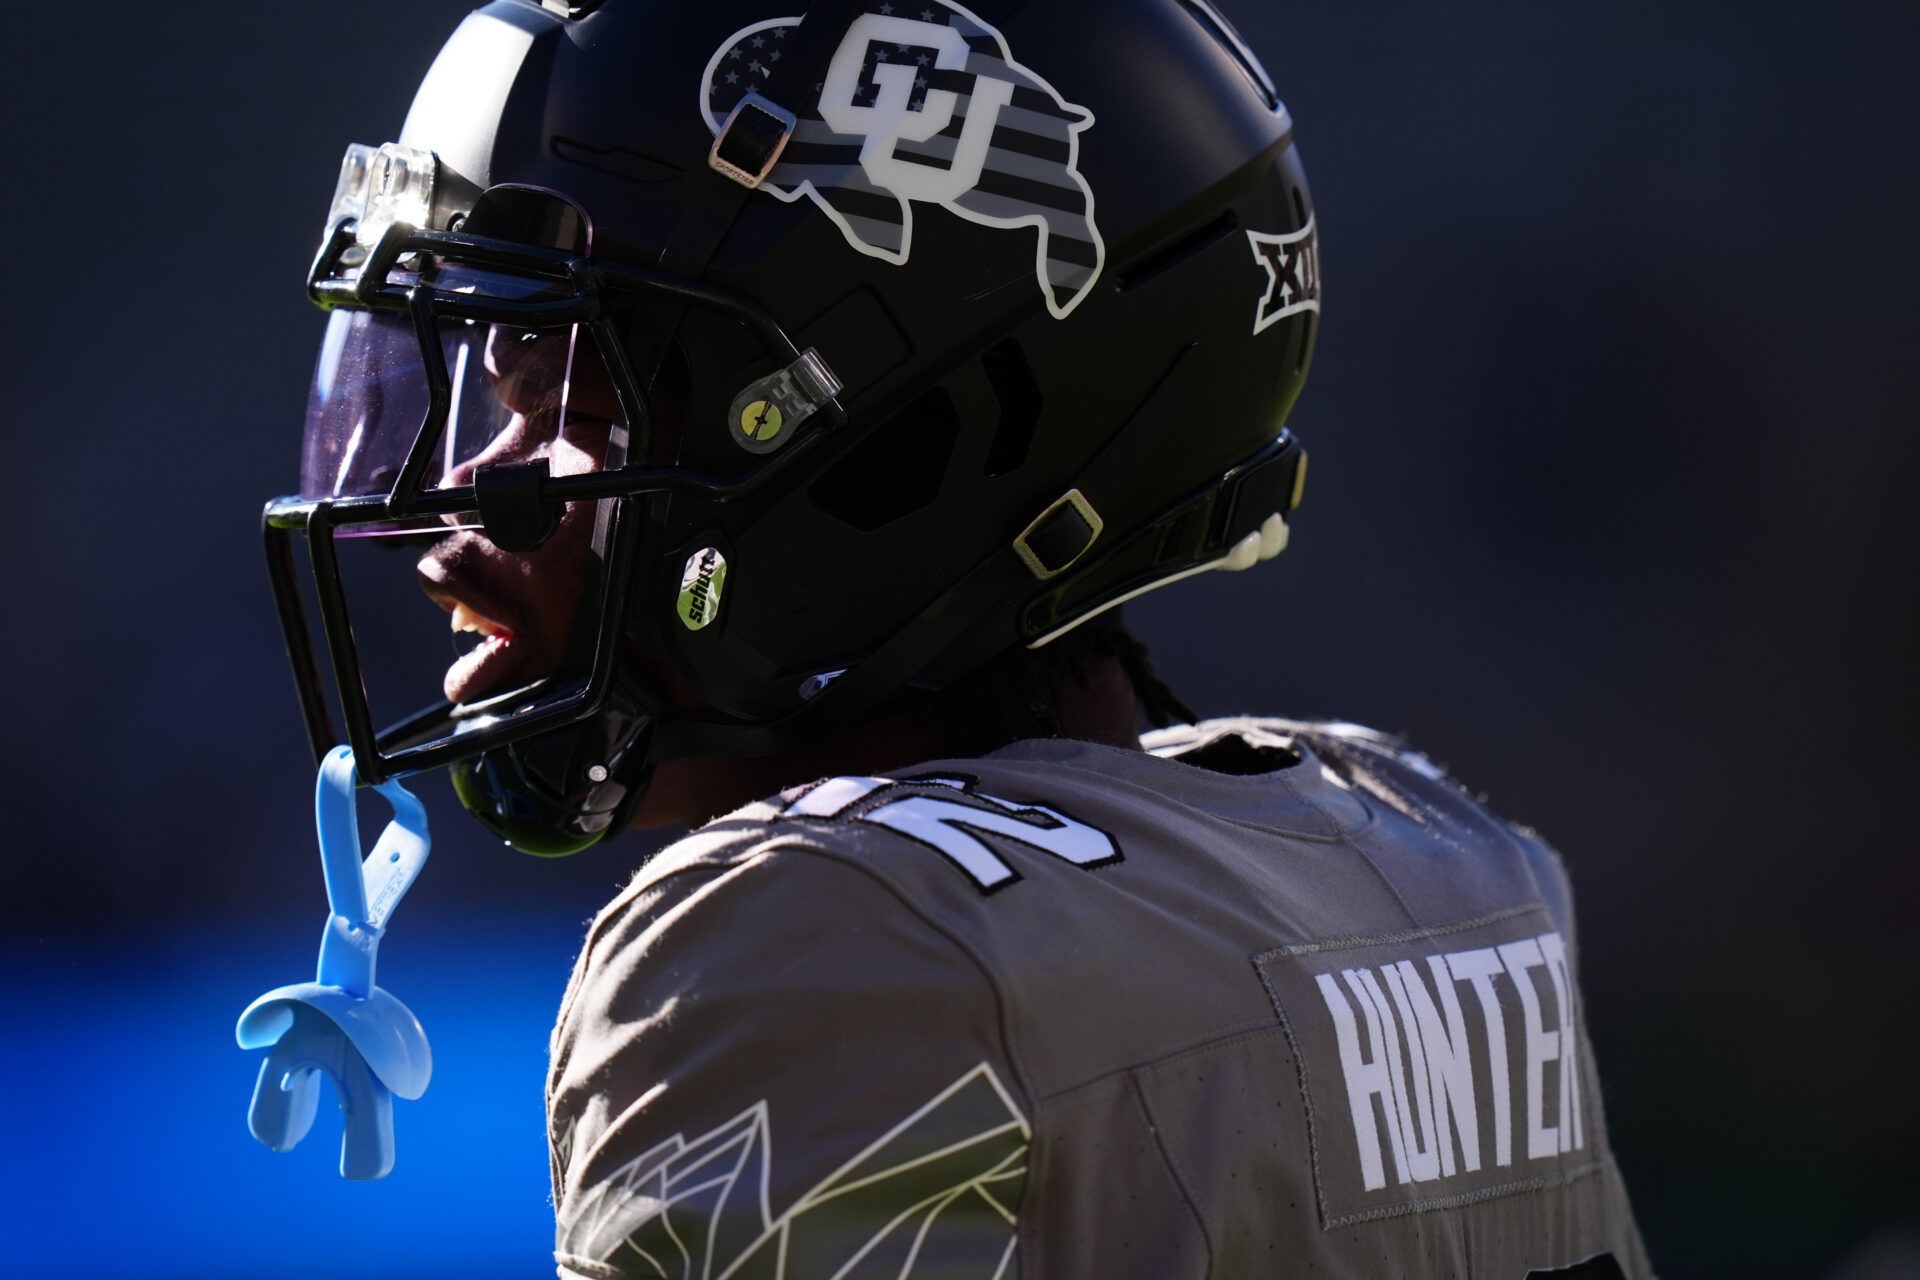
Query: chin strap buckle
{"points": [[750, 142]]}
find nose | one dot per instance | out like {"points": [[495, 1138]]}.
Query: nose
{"points": [[521, 441]]}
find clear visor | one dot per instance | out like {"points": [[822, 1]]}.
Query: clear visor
{"points": [[509, 392]]}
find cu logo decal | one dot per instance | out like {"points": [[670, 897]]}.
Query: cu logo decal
{"points": [[928, 108]]}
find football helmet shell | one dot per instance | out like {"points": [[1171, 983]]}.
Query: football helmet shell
{"points": [[935, 330]]}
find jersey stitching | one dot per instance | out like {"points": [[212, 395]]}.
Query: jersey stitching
{"points": [[1406, 935], [1336, 829], [1173, 1169], [1319, 837], [1366, 777], [1383, 878], [1353, 752], [1300, 1080], [1201, 1044], [1265, 1031], [1338, 836], [1461, 1198]]}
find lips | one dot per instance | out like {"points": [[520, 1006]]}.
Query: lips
{"points": [[487, 665], [458, 576], [523, 605]]}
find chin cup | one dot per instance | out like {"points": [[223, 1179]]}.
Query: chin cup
{"points": [[558, 792]]}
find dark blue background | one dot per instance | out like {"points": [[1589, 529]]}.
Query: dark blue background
{"points": [[1613, 427]]}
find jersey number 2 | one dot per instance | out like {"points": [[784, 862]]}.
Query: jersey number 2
{"points": [[956, 828]]}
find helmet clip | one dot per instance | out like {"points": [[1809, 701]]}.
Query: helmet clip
{"points": [[750, 142], [763, 416], [511, 509], [1059, 536]]}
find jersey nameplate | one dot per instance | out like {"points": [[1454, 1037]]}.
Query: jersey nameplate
{"points": [[1438, 1066]]}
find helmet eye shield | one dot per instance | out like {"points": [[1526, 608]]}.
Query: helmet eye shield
{"points": [[374, 388], [462, 371], [436, 358]]}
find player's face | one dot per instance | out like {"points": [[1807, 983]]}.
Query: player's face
{"points": [[520, 607]]}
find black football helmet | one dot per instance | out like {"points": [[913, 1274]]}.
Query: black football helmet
{"points": [[808, 357]]}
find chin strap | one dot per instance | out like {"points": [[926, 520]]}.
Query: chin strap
{"points": [[342, 1025]]}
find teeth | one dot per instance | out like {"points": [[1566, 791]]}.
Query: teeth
{"points": [[465, 619]]}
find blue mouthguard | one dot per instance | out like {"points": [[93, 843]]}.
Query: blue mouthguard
{"points": [[342, 1025]]}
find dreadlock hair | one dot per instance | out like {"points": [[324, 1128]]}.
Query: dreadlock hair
{"points": [[1017, 694]]}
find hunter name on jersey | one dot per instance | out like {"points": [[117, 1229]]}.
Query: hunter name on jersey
{"points": [[1438, 1066]]}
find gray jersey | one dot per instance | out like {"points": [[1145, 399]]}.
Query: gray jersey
{"points": [[1074, 1011]]}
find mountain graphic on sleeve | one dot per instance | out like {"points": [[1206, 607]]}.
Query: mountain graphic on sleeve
{"points": [[938, 1193]]}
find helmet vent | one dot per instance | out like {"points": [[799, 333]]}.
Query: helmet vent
{"points": [[1018, 392], [1171, 255], [896, 470]]}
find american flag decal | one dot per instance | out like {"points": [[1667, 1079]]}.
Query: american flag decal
{"points": [[923, 102]]}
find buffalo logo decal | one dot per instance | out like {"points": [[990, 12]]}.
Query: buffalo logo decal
{"points": [[923, 102]]}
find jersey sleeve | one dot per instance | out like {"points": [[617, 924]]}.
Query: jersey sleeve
{"points": [[770, 1065]]}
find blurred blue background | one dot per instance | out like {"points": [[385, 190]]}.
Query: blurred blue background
{"points": [[1613, 420]]}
